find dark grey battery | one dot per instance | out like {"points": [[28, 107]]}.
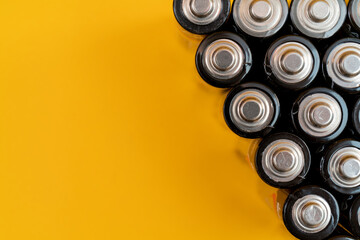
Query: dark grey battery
{"points": [[354, 14], [340, 166], [251, 110], [260, 19], [283, 160], [310, 213], [352, 217], [223, 59], [201, 17], [318, 19], [292, 62], [341, 65]]}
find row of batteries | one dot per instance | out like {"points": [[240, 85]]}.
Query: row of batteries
{"points": [[309, 148]]}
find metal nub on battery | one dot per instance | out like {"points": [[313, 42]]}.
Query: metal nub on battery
{"points": [[318, 18], [223, 59], [201, 16], [354, 13], [311, 213], [260, 18], [283, 160], [321, 114], [341, 167], [342, 64], [293, 62], [251, 110]]}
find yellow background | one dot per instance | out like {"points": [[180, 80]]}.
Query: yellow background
{"points": [[107, 132]]}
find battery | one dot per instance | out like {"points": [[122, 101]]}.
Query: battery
{"points": [[320, 114], [201, 17], [251, 110], [351, 217], [310, 212], [341, 65], [354, 14], [342, 238], [318, 19], [355, 118], [282, 160], [340, 166], [260, 18], [292, 62], [223, 59]]}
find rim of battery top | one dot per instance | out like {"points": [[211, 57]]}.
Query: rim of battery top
{"points": [[354, 217], [223, 59], [354, 13], [283, 160], [201, 17], [260, 18], [321, 114], [318, 18], [251, 110], [341, 64], [341, 166], [311, 213], [293, 61]]}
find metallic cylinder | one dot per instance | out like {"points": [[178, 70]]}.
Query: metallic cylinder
{"points": [[283, 160], [311, 213], [340, 167], [320, 114], [260, 18], [354, 14], [251, 110], [341, 64], [201, 17], [318, 18], [223, 59], [353, 217], [342, 238], [355, 117], [292, 62]]}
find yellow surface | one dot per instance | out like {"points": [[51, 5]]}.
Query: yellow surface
{"points": [[106, 131]]}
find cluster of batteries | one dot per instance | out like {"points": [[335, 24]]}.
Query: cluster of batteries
{"points": [[294, 75]]}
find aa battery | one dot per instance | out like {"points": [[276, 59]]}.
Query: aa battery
{"points": [[320, 115], [341, 65], [292, 62], [340, 166], [223, 59], [355, 118], [251, 110], [309, 212], [282, 160], [350, 218], [260, 19], [318, 19], [201, 17], [342, 238], [354, 14]]}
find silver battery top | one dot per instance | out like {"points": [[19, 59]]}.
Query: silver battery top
{"points": [[283, 160], [251, 110], [344, 167], [260, 18], [223, 59], [291, 62], [343, 65], [318, 18], [319, 115], [311, 214], [202, 12], [354, 12]]}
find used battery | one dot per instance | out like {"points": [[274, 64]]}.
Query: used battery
{"points": [[223, 59], [354, 14], [341, 65], [342, 238], [260, 19], [201, 17], [320, 114], [318, 19], [251, 110], [309, 212], [340, 166], [292, 62], [283, 160], [351, 217], [355, 118]]}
